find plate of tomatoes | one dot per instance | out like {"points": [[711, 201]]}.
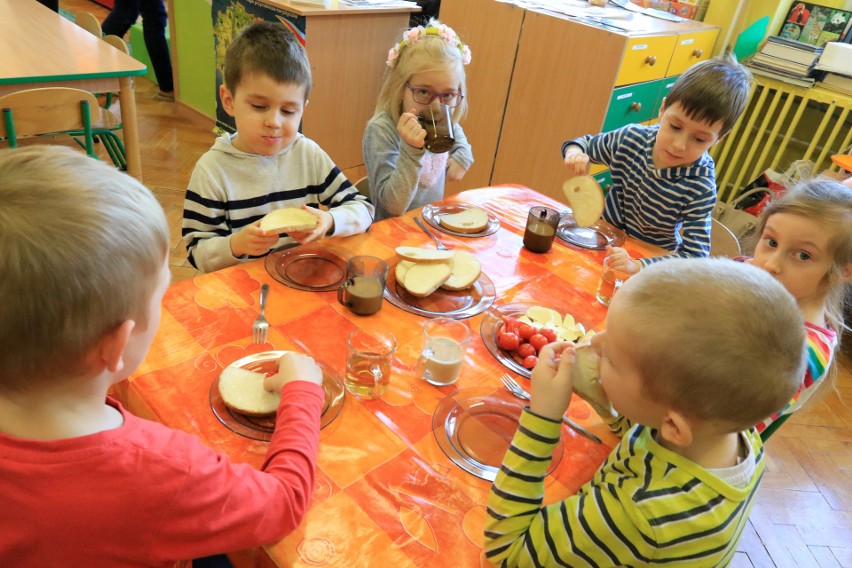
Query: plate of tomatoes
{"points": [[516, 333]]}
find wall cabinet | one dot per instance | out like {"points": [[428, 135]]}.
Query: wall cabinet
{"points": [[538, 78]]}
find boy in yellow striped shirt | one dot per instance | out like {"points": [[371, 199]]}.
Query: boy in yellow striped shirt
{"points": [[696, 352]]}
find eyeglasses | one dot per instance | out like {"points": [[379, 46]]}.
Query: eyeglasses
{"points": [[425, 96]]}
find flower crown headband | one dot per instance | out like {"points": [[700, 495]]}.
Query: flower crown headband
{"points": [[414, 35]]}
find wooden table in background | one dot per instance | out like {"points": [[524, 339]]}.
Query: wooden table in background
{"points": [[386, 494], [40, 48]]}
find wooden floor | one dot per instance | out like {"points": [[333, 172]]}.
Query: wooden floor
{"points": [[803, 515]]}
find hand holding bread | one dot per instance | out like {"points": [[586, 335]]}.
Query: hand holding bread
{"points": [[586, 199], [587, 381], [293, 366], [251, 240], [255, 394], [551, 380], [288, 220]]}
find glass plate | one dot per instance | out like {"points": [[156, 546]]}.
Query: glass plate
{"points": [[597, 237], [475, 426], [432, 215], [261, 427], [492, 324], [313, 267], [458, 304]]}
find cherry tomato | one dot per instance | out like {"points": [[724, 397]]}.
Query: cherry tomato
{"points": [[525, 330], [550, 334], [507, 341], [524, 350], [530, 362], [538, 341], [510, 324]]}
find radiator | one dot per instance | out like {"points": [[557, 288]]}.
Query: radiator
{"points": [[782, 123]]}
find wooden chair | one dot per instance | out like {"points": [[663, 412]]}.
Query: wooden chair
{"points": [[363, 186], [723, 242], [48, 111], [89, 23]]}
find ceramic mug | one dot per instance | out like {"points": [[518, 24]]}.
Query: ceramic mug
{"points": [[445, 341]]}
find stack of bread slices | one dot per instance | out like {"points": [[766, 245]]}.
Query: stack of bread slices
{"points": [[421, 271]]}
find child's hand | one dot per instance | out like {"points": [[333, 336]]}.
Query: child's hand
{"points": [[576, 162], [293, 367], [252, 240], [455, 171], [409, 129], [325, 224], [552, 380], [621, 260]]}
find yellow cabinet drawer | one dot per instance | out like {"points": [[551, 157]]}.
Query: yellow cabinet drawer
{"points": [[690, 49], [645, 59]]}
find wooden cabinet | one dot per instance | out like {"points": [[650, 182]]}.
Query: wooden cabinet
{"points": [[565, 78]]}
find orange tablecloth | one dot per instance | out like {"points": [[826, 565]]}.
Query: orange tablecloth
{"points": [[386, 494]]}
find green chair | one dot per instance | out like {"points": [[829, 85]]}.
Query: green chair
{"points": [[49, 111]]}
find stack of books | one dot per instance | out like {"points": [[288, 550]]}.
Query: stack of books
{"points": [[787, 60], [836, 65]]}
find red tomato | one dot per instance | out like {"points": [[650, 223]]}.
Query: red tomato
{"points": [[538, 341], [525, 330], [530, 362], [507, 341], [549, 334], [524, 350], [510, 324]]}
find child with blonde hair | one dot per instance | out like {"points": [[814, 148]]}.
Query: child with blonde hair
{"points": [[806, 244], [82, 481], [687, 380], [425, 69]]}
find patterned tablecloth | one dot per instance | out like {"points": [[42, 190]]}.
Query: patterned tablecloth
{"points": [[386, 494]]}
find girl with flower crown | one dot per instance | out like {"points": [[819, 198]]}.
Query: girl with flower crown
{"points": [[425, 69]]}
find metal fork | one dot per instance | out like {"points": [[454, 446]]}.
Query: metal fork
{"points": [[260, 329], [522, 393], [439, 244]]}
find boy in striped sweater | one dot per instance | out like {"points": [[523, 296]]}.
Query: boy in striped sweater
{"points": [[267, 164], [663, 179], [687, 381]]}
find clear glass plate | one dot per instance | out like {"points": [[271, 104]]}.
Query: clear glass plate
{"points": [[458, 304], [475, 426], [432, 215], [261, 427], [313, 267], [597, 237]]}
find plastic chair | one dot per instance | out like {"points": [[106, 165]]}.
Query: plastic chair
{"points": [[723, 242], [363, 186], [48, 111], [89, 23]]}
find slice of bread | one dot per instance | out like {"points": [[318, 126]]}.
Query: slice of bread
{"points": [[473, 220], [422, 279], [424, 255], [243, 391], [586, 199], [287, 220], [465, 270], [587, 381], [401, 268]]}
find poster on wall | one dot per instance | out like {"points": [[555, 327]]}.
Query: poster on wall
{"points": [[229, 17], [815, 24]]}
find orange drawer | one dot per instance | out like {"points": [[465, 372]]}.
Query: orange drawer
{"points": [[645, 59], [690, 49]]}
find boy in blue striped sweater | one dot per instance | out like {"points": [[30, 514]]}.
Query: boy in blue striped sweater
{"points": [[662, 176], [267, 164], [682, 383]]}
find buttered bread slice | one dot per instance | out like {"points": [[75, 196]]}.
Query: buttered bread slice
{"points": [[287, 220], [421, 279], [424, 255], [465, 268], [243, 391], [472, 220]]}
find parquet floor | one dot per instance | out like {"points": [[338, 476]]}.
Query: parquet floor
{"points": [[803, 514]]}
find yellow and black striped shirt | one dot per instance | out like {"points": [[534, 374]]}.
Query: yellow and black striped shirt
{"points": [[646, 505]]}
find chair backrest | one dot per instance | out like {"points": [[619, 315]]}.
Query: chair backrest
{"points": [[47, 111], [363, 186], [723, 242], [117, 43], [89, 23]]}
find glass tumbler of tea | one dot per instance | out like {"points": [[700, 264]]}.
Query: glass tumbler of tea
{"points": [[541, 228], [444, 344], [611, 281], [364, 286], [369, 360], [438, 124]]}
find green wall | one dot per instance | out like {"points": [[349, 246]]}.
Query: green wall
{"points": [[196, 67]]}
